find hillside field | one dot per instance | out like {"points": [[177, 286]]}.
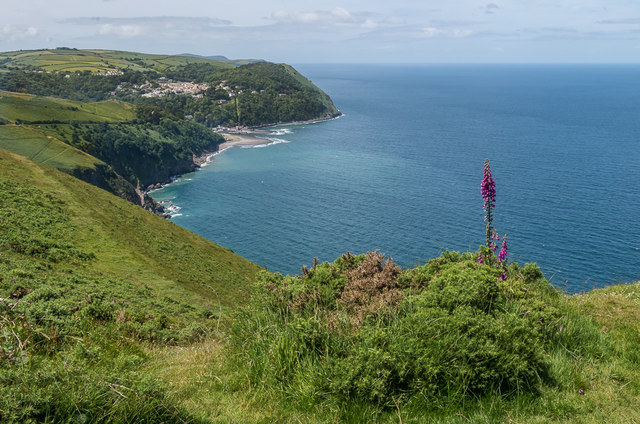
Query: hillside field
{"points": [[29, 108]]}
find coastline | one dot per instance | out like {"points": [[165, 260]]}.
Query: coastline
{"points": [[239, 139], [244, 137], [248, 137]]}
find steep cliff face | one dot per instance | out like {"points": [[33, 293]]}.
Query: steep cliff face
{"points": [[104, 177]]}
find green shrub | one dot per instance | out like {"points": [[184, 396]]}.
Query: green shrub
{"points": [[368, 332]]}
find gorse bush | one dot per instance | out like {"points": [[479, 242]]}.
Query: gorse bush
{"points": [[362, 329]]}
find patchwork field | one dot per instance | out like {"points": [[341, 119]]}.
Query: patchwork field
{"points": [[63, 60]]}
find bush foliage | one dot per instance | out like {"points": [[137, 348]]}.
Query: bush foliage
{"points": [[361, 329]]}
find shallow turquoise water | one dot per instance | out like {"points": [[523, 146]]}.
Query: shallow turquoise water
{"points": [[401, 171]]}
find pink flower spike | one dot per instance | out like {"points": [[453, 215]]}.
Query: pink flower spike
{"points": [[503, 252]]}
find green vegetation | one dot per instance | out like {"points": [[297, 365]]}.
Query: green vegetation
{"points": [[32, 143], [90, 285], [27, 108], [110, 313], [36, 143], [81, 86], [143, 154], [360, 340], [73, 60]]}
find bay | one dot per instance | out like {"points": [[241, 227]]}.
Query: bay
{"points": [[401, 171]]}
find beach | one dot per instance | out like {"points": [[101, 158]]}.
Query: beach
{"points": [[241, 140], [230, 141]]}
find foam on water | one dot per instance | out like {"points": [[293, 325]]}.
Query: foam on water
{"points": [[281, 131], [272, 141]]}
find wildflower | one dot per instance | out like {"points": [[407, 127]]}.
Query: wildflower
{"points": [[581, 391], [488, 190], [503, 251]]}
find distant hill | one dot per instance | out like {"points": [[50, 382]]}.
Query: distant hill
{"points": [[237, 62], [222, 58]]}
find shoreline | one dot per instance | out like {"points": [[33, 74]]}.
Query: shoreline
{"points": [[244, 137], [248, 137]]}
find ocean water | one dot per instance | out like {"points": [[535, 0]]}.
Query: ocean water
{"points": [[401, 171]]}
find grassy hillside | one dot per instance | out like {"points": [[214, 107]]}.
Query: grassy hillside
{"points": [[89, 286], [127, 242], [32, 143], [30, 108], [42, 144]]}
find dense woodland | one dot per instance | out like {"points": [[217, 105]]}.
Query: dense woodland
{"points": [[142, 153]]}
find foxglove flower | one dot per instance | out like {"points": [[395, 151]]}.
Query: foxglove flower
{"points": [[488, 190]]}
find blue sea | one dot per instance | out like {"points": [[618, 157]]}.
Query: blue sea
{"points": [[401, 171]]}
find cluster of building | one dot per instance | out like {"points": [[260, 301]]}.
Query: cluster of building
{"points": [[164, 88]]}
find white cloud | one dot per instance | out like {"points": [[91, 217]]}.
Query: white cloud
{"points": [[337, 17], [17, 32], [460, 33], [120, 30], [431, 32], [369, 24], [341, 14]]}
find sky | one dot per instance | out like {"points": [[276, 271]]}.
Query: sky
{"points": [[346, 31]]}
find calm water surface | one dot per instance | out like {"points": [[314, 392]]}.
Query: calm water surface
{"points": [[401, 171]]}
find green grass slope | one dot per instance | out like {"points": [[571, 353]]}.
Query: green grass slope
{"points": [[32, 143], [89, 286], [127, 242], [35, 143], [71, 60], [31, 108]]}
